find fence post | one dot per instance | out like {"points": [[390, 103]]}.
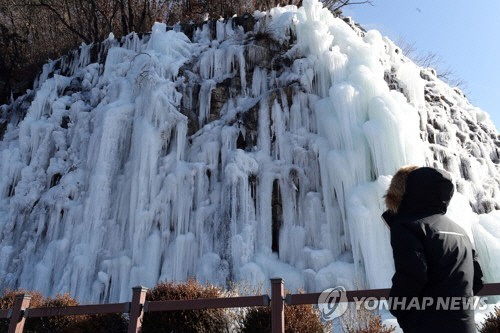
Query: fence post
{"points": [[277, 305], [137, 309], [17, 319]]}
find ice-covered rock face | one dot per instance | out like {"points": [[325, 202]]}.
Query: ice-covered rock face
{"points": [[249, 150]]}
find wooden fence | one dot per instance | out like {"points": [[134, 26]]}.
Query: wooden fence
{"points": [[138, 306]]}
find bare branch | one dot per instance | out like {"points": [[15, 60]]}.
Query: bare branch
{"points": [[337, 5], [63, 21], [433, 60]]}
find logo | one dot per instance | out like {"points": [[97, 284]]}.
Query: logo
{"points": [[332, 303]]}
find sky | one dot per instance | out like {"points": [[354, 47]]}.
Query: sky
{"points": [[464, 34]]}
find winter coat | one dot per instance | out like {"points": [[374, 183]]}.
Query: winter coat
{"points": [[433, 256]]}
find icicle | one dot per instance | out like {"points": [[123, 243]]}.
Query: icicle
{"points": [[205, 100], [241, 59], [220, 29]]}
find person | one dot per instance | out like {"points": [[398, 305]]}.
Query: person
{"points": [[434, 261]]}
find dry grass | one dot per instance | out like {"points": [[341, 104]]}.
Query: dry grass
{"points": [[363, 321], [491, 323], [199, 321], [298, 319], [109, 323]]}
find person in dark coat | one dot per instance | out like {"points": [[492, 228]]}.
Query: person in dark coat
{"points": [[433, 256]]}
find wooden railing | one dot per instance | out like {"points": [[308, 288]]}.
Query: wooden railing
{"points": [[138, 306]]}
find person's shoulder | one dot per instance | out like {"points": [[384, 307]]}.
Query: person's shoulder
{"points": [[442, 227], [429, 221], [418, 225], [444, 223], [407, 225]]}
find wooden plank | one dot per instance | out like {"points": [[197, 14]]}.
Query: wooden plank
{"points": [[277, 306], [490, 289], [377, 293], [205, 303], [18, 318], [5, 314], [137, 309], [298, 299], [78, 310]]}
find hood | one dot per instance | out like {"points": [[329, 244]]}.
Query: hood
{"points": [[397, 188], [428, 191]]}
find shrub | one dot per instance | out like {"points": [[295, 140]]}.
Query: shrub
{"points": [[44, 324], [363, 321], [108, 323], [491, 323], [8, 298], [303, 318], [257, 320], [7, 301], [53, 324], [199, 321], [298, 319], [374, 326]]}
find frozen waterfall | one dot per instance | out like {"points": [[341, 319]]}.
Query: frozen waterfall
{"points": [[239, 153]]}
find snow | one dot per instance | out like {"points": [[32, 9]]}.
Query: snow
{"points": [[151, 179]]}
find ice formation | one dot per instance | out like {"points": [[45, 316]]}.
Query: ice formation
{"points": [[256, 147]]}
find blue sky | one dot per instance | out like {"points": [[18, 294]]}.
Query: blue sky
{"points": [[463, 33]]}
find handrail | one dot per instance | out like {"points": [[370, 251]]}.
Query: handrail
{"points": [[489, 289], [78, 310], [299, 299], [5, 314], [207, 303]]}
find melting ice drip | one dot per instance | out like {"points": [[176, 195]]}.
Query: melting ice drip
{"points": [[236, 154]]}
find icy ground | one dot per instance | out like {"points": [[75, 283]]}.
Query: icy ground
{"points": [[256, 147]]}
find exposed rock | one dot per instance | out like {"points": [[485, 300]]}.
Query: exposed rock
{"points": [[3, 127], [277, 215], [55, 179], [218, 99], [65, 122], [247, 21]]}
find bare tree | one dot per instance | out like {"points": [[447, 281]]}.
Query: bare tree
{"points": [[432, 60], [336, 5], [31, 31]]}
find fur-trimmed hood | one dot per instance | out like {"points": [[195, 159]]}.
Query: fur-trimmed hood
{"points": [[394, 195], [421, 190]]}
